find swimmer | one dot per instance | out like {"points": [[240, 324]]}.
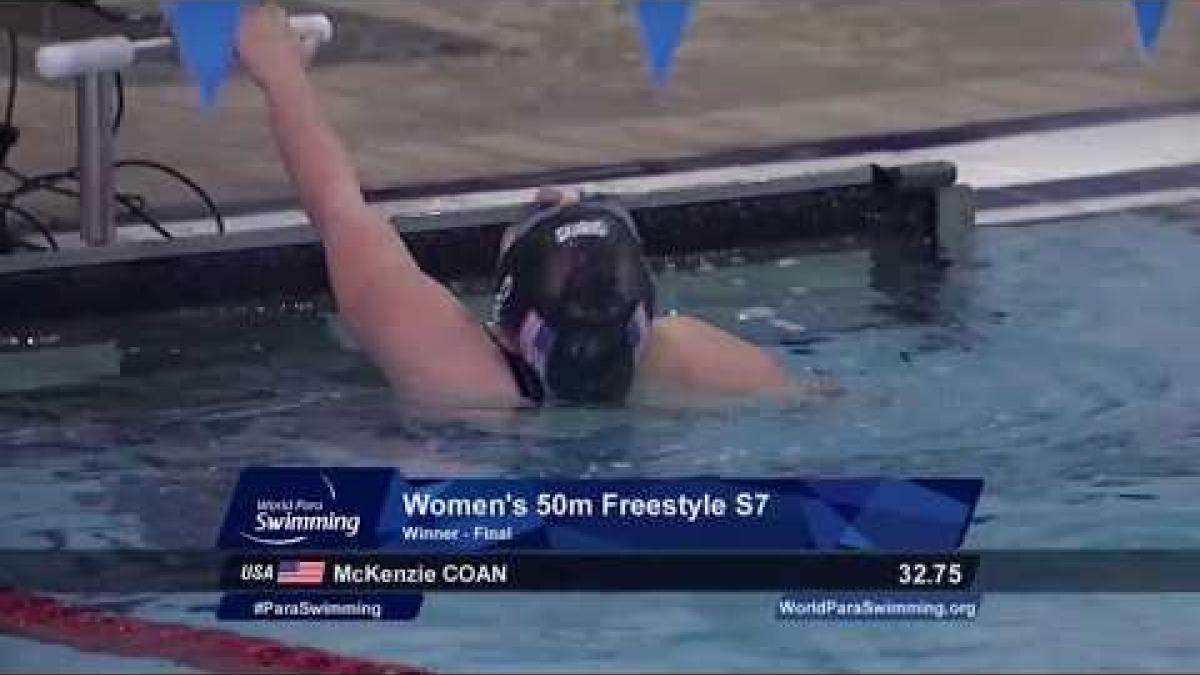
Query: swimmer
{"points": [[574, 318]]}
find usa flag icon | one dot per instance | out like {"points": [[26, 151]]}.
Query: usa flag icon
{"points": [[301, 572]]}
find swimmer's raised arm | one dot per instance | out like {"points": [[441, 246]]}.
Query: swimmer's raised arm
{"points": [[320, 168], [412, 326], [576, 295]]}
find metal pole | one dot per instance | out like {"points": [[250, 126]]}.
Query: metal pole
{"points": [[94, 109]]}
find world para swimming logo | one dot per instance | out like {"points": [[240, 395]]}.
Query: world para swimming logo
{"points": [[287, 521]]}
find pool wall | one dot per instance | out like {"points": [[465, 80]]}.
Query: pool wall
{"points": [[455, 237]]}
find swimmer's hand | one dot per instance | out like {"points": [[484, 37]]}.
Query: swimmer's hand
{"points": [[266, 44], [556, 196]]}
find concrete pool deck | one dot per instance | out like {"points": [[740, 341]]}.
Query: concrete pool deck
{"points": [[479, 89]]}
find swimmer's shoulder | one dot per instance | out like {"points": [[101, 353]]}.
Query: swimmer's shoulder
{"points": [[691, 356]]}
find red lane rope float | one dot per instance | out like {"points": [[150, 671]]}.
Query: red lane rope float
{"points": [[92, 630]]}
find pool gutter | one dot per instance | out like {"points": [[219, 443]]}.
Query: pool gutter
{"points": [[454, 236]]}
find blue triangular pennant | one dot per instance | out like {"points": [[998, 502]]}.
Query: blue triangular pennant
{"points": [[1150, 18], [662, 24], [206, 32]]}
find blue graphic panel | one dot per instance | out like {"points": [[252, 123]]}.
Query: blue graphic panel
{"points": [[319, 606], [301, 508], [378, 509]]}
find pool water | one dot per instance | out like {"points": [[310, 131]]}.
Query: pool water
{"points": [[1060, 363]]}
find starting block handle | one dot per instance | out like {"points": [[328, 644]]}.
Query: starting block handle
{"points": [[93, 64], [109, 54]]}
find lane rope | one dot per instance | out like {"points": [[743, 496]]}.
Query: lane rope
{"points": [[88, 629]]}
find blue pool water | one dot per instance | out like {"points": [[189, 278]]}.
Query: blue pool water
{"points": [[1061, 364]]}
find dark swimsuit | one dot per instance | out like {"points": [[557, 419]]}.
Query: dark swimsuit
{"points": [[524, 376]]}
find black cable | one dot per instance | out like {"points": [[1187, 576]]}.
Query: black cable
{"points": [[47, 182], [53, 176], [133, 203], [138, 211], [20, 177], [26, 185], [119, 116], [29, 246], [111, 15], [13, 57], [32, 220], [199, 191]]}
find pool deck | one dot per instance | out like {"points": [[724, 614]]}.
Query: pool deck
{"points": [[549, 85], [1020, 171]]}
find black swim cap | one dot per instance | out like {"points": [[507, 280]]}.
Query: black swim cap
{"points": [[575, 293]]}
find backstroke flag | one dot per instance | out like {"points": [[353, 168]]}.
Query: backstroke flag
{"points": [[662, 24], [206, 33], [1151, 15]]}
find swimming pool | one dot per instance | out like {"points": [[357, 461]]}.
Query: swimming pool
{"points": [[1060, 364]]}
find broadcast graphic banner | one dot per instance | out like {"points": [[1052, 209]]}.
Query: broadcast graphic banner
{"points": [[318, 607], [1027, 571], [369, 509], [876, 606], [573, 572]]}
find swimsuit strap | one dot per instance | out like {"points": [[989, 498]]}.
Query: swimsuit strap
{"points": [[524, 376]]}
